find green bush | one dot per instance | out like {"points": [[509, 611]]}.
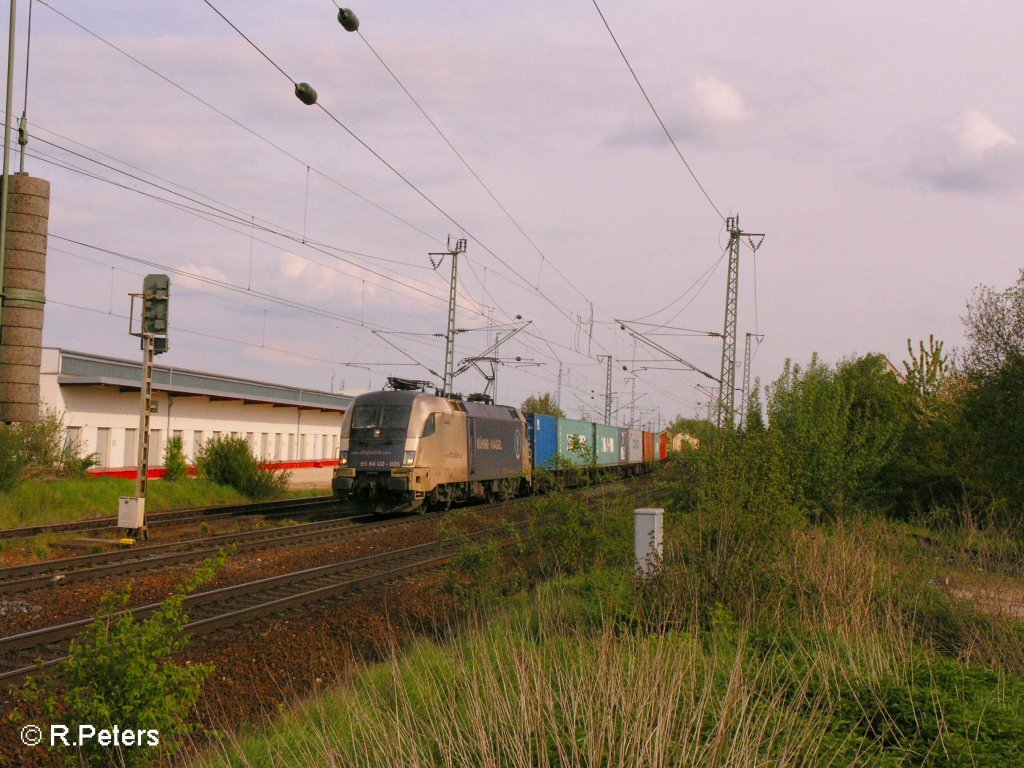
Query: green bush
{"points": [[121, 672], [13, 460], [229, 461], [175, 464], [839, 429]]}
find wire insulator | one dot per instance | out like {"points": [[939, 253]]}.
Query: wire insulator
{"points": [[306, 93], [348, 19]]}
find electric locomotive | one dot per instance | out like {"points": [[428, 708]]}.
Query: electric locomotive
{"points": [[404, 449]]}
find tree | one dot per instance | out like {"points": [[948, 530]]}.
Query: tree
{"points": [[994, 415], [994, 326], [702, 429], [544, 404], [927, 369], [839, 429], [754, 416]]}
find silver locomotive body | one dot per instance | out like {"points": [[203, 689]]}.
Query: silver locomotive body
{"points": [[401, 450]]}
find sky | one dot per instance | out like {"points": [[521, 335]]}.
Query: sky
{"points": [[876, 145]]}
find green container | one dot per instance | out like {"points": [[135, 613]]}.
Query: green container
{"points": [[606, 445], [576, 441]]}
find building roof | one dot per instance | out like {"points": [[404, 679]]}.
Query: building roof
{"points": [[81, 369]]}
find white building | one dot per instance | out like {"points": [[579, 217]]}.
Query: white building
{"points": [[99, 398]]}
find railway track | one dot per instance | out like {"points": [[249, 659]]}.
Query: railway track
{"points": [[178, 516], [20, 578], [31, 652]]}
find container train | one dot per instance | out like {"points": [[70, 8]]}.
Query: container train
{"points": [[406, 449]]}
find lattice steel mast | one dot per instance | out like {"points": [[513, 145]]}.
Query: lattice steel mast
{"points": [[449, 348], [727, 379]]}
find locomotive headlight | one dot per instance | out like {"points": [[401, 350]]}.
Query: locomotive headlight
{"points": [[343, 459], [410, 459]]}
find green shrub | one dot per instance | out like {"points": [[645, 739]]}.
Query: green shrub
{"points": [[13, 460], [175, 464], [229, 461], [121, 672], [839, 430]]}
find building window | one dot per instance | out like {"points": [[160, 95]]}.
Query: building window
{"points": [[278, 446], [265, 446]]}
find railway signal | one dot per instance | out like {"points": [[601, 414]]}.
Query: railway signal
{"points": [[155, 299]]}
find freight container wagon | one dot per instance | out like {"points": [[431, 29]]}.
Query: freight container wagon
{"points": [[648, 447]]}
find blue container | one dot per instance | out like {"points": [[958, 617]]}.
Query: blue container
{"points": [[543, 439]]}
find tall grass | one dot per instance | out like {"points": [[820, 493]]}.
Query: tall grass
{"points": [[841, 651], [559, 682]]}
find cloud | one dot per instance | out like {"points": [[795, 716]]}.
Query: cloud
{"points": [[974, 155], [718, 103], [712, 111]]}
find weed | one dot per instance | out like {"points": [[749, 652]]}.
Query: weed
{"points": [[120, 672]]}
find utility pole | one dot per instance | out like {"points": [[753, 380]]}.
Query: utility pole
{"points": [[632, 406], [727, 379], [449, 348], [607, 387], [558, 392], [494, 371], [745, 391]]}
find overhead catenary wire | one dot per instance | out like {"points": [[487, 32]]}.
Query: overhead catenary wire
{"points": [[458, 225], [219, 297], [277, 147], [549, 345], [239, 123], [703, 276], [655, 111], [218, 218], [217, 337], [221, 283], [472, 171]]}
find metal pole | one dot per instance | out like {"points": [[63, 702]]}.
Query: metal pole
{"points": [[744, 392], [607, 388], [449, 349], [7, 159], [145, 406], [632, 406], [494, 370], [727, 379]]}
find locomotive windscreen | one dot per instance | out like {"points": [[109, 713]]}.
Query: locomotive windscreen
{"points": [[380, 422]]}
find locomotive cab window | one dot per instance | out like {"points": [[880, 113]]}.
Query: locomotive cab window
{"points": [[395, 416], [376, 422], [364, 416]]}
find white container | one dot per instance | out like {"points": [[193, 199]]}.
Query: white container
{"points": [[131, 512], [648, 526]]}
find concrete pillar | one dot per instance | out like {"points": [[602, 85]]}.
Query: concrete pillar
{"points": [[21, 334], [648, 525]]}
